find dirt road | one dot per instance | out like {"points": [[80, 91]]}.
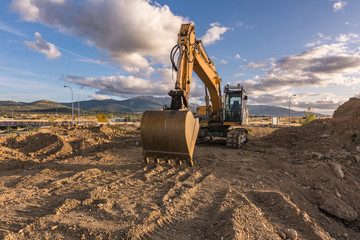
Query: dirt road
{"points": [[91, 183]]}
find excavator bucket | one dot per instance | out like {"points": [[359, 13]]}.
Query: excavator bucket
{"points": [[169, 134]]}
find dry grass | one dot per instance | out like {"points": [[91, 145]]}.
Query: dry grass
{"points": [[258, 132]]}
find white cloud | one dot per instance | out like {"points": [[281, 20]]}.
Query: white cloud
{"points": [[238, 74], [319, 104], [256, 65], [321, 40], [40, 45], [237, 56], [89, 60], [138, 35], [100, 97], [135, 33], [213, 34], [313, 44], [122, 85], [320, 67], [346, 37], [222, 61], [9, 29], [339, 5]]}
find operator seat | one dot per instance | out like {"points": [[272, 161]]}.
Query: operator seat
{"points": [[235, 106]]}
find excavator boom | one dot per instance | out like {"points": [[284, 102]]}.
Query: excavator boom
{"points": [[171, 133]]}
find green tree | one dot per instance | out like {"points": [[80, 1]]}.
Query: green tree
{"points": [[309, 117]]}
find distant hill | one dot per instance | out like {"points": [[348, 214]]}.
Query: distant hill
{"points": [[136, 104], [45, 104], [38, 106], [264, 110], [10, 103]]}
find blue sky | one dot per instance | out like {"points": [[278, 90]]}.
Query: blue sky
{"points": [[120, 48]]}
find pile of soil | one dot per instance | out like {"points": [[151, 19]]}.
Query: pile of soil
{"points": [[340, 133], [92, 183]]}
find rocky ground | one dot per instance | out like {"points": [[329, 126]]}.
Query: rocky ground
{"points": [[91, 183]]}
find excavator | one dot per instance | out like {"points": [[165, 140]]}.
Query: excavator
{"points": [[172, 132]]}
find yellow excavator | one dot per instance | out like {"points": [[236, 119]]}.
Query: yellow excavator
{"points": [[171, 133]]}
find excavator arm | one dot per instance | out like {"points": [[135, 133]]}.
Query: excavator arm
{"points": [[193, 56], [171, 133]]}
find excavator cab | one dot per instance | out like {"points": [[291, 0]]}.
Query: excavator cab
{"points": [[234, 104]]}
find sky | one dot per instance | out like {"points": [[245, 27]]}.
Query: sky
{"points": [[120, 49]]}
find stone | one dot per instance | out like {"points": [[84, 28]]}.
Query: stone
{"points": [[54, 227], [337, 168], [317, 155], [337, 207], [325, 135], [290, 234], [358, 148], [282, 235]]}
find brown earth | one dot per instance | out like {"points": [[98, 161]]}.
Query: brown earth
{"points": [[91, 183]]}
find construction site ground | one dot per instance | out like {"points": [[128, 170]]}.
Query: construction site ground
{"points": [[91, 183]]}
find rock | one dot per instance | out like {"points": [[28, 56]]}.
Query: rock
{"points": [[337, 168], [54, 227], [282, 235], [290, 234], [358, 148], [337, 207], [325, 135], [317, 155]]}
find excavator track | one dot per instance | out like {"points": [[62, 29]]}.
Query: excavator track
{"points": [[236, 138]]}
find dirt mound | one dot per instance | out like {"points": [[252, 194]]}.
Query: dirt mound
{"points": [[297, 183], [350, 109], [43, 143], [106, 130], [341, 133]]}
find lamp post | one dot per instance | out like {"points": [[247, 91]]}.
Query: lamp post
{"points": [[72, 104], [289, 106], [78, 110]]}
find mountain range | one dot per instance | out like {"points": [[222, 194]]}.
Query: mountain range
{"points": [[133, 105]]}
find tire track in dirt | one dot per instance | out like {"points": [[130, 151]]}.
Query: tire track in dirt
{"points": [[286, 214], [186, 208]]}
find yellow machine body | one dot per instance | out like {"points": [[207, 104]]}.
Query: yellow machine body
{"points": [[169, 134]]}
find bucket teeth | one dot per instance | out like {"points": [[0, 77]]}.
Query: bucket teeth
{"points": [[188, 162]]}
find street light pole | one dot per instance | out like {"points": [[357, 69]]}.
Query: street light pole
{"points": [[78, 110], [72, 104], [289, 106]]}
